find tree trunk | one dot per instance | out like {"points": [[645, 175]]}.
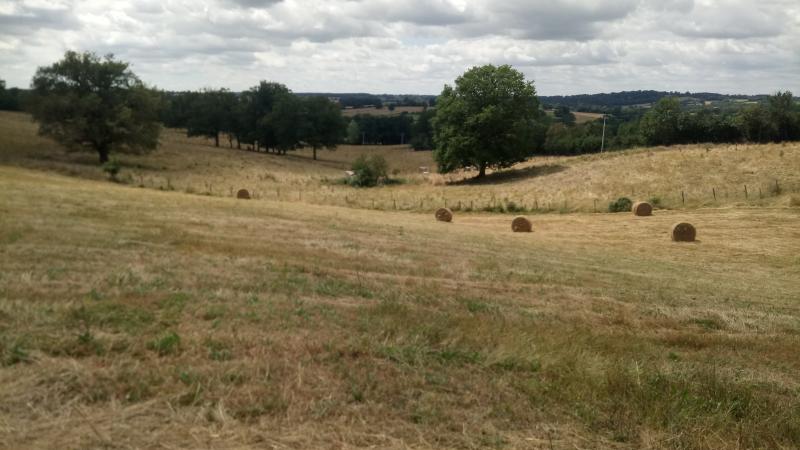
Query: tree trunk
{"points": [[230, 141], [216, 140], [482, 170], [315, 153], [103, 152]]}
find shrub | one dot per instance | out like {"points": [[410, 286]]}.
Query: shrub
{"points": [[656, 202], [514, 208], [622, 204], [112, 168], [368, 171]]}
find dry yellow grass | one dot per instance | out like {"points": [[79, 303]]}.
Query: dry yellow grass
{"points": [[136, 318], [677, 177], [385, 111], [583, 117]]}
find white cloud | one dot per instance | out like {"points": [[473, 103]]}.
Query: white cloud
{"points": [[566, 46]]}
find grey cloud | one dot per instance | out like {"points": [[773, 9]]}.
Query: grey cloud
{"points": [[419, 12], [730, 19], [25, 19], [417, 45], [552, 20], [251, 4]]}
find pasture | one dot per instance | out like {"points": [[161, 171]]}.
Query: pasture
{"points": [[385, 111], [310, 318], [677, 177]]}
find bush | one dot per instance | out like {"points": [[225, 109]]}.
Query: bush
{"points": [[513, 207], [112, 168], [622, 204], [656, 202], [368, 171]]}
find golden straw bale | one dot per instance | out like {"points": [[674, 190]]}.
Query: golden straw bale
{"points": [[683, 232], [642, 209], [444, 215], [521, 225]]}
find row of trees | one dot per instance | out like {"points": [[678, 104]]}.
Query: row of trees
{"points": [[668, 123], [12, 99], [90, 103], [490, 118], [266, 117]]}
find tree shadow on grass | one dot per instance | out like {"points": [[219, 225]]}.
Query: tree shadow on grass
{"points": [[508, 176]]}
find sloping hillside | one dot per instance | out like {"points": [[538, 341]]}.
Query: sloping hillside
{"points": [[216, 322], [674, 177]]}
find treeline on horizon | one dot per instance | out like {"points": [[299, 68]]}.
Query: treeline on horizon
{"points": [[612, 102], [271, 117], [774, 119]]}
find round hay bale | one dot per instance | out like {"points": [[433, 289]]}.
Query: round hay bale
{"points": [[243, 194], [521, 225], [683, 232], [444, 215], [642, 209]]}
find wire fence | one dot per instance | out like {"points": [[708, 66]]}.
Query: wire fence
{"points": [[755, 193]]}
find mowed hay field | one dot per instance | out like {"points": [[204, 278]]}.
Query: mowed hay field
{"points": [[137, 318], [678, 177], [134, 318]]}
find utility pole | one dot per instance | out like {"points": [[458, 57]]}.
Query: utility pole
{"points": [[363, 138], [603, 139]]}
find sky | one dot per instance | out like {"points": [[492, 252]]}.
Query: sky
{"points": [[417, 46]]}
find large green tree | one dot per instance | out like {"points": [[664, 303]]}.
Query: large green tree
{"points": [[88, 103], [782, 113], [661, 125], [322, 126], [254, 114], [211, 113], [487, 120], [285, 123], [422, 131]]}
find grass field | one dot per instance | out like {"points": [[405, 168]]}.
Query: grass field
{"points": [[138, 318], [385, 111], [676, 177], [583, 117]]}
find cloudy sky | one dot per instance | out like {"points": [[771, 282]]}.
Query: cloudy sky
{"points": [[416, 46]]}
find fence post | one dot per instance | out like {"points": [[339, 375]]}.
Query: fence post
{"points": [[745, 191], [683, 198], [714, 191], [777, 188], [595, 205]]}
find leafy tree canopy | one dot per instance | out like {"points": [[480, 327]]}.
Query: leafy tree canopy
{"points": [[488, 119], [88, 103]]}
